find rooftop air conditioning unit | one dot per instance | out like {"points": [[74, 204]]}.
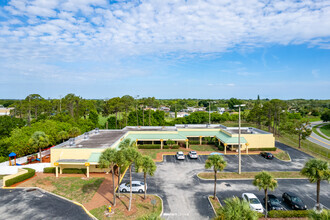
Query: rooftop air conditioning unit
{"points": [[97, 130], [86, 135], [71, 141]]}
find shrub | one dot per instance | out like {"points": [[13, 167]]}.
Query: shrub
{"points": [[221, 148], [74, 170], [263, 149], [21, 178], [288, 214], [149, 146], [49, 170], [193, 142], [171, 147]]}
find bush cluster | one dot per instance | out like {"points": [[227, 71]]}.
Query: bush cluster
{"points": [[263, 149], [49, 170], [74, 171], [157, 146], [171, 147], [21, 178], [288, 213]]}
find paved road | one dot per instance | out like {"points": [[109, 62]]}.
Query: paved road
{"points": [[185, 195], [317, 139], [20, 204]]}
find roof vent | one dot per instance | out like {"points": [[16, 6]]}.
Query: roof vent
{"points": [[86, 135], [71, 141], [97, 130]]}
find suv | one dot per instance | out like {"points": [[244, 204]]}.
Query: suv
{"points": [[254, 202], [137, 186], [179, 155], [192, 155], [273, 203], [267, 155], [293, 201]]}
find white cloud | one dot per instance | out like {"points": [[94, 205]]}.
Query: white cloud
{"points": [[76, 30]]}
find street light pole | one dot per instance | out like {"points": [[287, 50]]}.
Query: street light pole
{"points": [[137, 117], [209, 113], [239, 138]]}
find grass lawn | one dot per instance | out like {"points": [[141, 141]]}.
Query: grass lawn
{"points": [[246, 175], [73, 188], [282, 156], [318, 133], [306, 146], [215, 202], [326, 130], [313, 118], [140, 208], [204, 147]]}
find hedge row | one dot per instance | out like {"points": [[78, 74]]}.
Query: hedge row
{"points": [[66, 170], [157, 146], [21, 178], [288, 213], [203, 142], [263, 149]]}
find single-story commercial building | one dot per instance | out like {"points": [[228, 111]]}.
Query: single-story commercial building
{"points": [[84, 151]]}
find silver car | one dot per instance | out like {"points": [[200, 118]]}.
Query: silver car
{"points": [[137, 186], [193, 155], [179, 155]]}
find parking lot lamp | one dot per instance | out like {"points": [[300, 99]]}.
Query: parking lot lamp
{"points": [[239, 138], [210, 111], [137, 118]]}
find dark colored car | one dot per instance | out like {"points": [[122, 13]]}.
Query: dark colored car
{"points": [[273, 203], [267, 155], [293, 201]]}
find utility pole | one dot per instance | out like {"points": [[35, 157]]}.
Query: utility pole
{"points": [[137, 117], [60, 103], [210, 111], [239, 138]]}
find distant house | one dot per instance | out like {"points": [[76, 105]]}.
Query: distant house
{"points": [[150, 108], [179, 114], [5, 111], [164, 108], [221, 110], [198, 109]]}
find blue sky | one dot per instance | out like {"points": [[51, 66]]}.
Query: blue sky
{"points": [[167, 49]]}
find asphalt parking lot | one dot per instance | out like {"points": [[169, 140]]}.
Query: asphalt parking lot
{"points": [[185, 195], [37, 204]]}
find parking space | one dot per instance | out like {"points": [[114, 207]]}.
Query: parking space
{"points": [[37, 204], [301, 187], [185, 195]]}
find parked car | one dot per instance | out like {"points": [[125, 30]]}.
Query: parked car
{"points": [[267, 155], [193, 155], [179, 155], [293, 201], [137, 186], [254, 202], [273, 203]]}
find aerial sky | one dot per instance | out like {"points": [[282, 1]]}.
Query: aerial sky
{"points": [[165, 48]]}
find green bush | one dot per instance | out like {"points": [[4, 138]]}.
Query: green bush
{"points": [[171, 147], [221, 148], [263, 149], [21, 178], [74, 170], [288, 214], [49, 170], [149, 146], [193, 142]]}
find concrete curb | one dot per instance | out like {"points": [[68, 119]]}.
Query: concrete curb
{"points": [[43, 191], [161, 213], [208, 197], [245, 178], [285, 160]]}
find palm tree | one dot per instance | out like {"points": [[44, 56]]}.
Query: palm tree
{"points": [[39, 140], [264, 180], [147, 166], [126, 143], [236, 209], [218, 163], [316, 170], [131, 156], [108, 160], [121, 162]]}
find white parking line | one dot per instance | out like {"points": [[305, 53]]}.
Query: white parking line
{"points": [[316, 202]]}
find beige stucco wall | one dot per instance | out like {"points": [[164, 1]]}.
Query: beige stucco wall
{"points": [[259, 140], [20, 172], [71, 153]]}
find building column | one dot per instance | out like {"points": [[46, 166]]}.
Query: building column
{"points": [[219, 142], [247, 149], [136, 142], [152, 142], [87, 169], [161, 143], [200, 140], [225, 148], [61, 170], [56, 169], [187, 143]]}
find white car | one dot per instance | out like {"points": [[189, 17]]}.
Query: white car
{"points": [[193, 155], [180, 155], [137, 186], [254, 202]]}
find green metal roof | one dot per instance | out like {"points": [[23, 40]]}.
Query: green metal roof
{"points": [[94, 157], [218, 134], [156, 136]]}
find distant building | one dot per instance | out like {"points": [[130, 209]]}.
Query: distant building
{"points": [[5, 111], [221, 110], [179, 114], [198, 109], [164, 108]]}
